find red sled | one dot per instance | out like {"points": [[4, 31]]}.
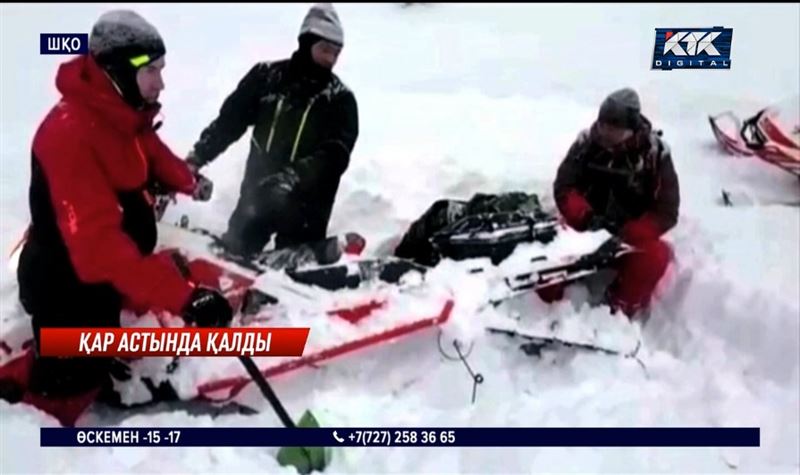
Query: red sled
{"points": [[364, 320], [773, 135]]}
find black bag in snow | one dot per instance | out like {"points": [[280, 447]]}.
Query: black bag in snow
{"points": [[487, 225]]}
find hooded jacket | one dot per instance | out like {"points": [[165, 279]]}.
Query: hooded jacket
{"points": [[93, 228], [636, 180]]}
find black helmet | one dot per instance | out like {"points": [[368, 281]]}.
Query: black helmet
{"points": [[121, 42]]}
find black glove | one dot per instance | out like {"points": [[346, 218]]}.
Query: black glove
{"points": [[207, 309], [279, 203], [279, 186], [204, 188], [332, 159]]}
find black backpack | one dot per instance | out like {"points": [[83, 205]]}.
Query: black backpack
{"points": [[487, 225]]}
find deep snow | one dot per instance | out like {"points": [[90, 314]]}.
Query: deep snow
{"points": [[454, 99]]}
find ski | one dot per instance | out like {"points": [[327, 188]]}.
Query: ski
{"points": [[535, 344], [733, 198], [542, 273]]}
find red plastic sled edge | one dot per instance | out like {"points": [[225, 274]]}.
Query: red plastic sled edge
{"points": [[731, 145], [779, 152], [234, 385]]}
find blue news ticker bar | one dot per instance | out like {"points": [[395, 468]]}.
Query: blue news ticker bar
{"points": [[401, 437]]}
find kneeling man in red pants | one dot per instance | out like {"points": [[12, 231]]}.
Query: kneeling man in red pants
{"points": [[619, 175]]}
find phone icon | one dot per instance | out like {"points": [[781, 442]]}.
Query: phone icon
{"points": [[336, 436]]}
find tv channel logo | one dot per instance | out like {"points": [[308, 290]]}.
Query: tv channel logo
{"points": [[693, 48], [63, 43]]}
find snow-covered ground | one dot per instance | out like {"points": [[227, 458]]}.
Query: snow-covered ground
{"points": [[459, 98]]}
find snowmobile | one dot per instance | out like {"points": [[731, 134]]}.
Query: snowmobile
{"points": [[354, 303], [772, 135]]}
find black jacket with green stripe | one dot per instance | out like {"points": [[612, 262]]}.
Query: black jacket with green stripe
{"points": [[298, 120]]}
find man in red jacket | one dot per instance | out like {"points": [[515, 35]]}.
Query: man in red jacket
{"points": [[619, 175], [93, 229]]}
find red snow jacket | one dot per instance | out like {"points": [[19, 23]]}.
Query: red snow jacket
{"points": [[92, 221]]}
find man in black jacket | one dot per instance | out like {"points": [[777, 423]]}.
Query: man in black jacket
{"points": [[305, 125], [619, 175]]}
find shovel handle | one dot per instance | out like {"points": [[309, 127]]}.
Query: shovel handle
{"points": [[267, 391]]}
